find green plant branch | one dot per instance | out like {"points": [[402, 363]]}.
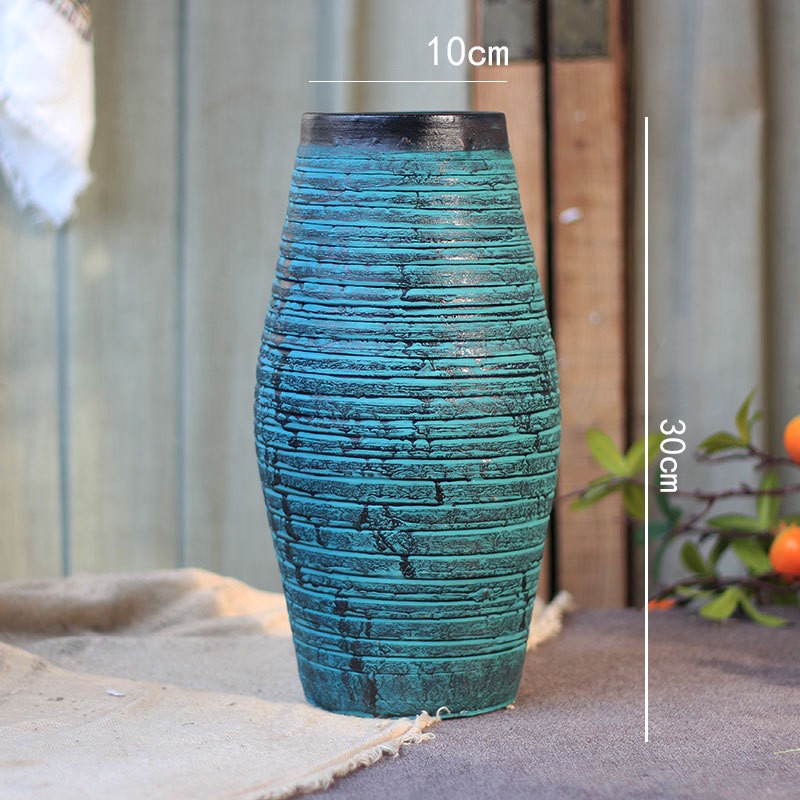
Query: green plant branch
{"points": [[764, 458], [743, 489], [766, 536], [689, 525], [613, 480], [682, 512], [763, 582]]}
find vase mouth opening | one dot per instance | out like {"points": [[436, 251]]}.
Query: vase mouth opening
{"points": [[402, 130]]}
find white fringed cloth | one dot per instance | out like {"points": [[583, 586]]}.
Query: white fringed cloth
{"points": [[46, 103]]}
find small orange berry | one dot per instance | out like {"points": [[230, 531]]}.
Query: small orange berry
{"points": [[791, 439], [663, 604], [784, 554]]}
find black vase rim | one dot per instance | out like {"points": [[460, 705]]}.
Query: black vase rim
{"points": [[407, 130]]}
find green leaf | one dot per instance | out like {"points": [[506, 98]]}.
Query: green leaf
{"points": [[671, 512], [770, 620], [723, 605], [692, 559], [768, 506], [736, 522], [785, 599], [752, 555], [721, 440], [633, 500], [654, 441], [717, 549], [605, 453], [596, 490], [692, 591], [659, 556], [743, 418], [656, 530], [635, 457]]}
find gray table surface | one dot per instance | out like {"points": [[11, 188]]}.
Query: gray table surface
{"points": [[724, 698]]}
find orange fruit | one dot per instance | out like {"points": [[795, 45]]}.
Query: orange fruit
{"points": [[791, 439], [784, 554]]}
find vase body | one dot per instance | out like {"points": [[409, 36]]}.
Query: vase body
{"points": [[407, 414]]}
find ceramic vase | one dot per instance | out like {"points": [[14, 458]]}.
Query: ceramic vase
{"points": [[407, 414]]}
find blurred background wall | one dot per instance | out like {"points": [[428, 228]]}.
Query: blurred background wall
{"points": [[718, 82], [128, 339]]}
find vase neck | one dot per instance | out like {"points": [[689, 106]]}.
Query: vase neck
{"points": [[425, 131]]}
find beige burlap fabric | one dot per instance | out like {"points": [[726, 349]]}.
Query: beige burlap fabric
{"points": [[173, 684]]}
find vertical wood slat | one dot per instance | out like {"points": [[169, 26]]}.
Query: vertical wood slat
{"points": [[30, 510], [392, 44], [245, 96], [587, 149], [521, 99], [121, 301], [698, 79], [782, 63]]}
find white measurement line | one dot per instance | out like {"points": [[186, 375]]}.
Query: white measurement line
{"points": [[348, 81], [646, 419]]}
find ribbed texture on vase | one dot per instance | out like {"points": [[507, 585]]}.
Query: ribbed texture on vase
{"points": [[407, 426]]}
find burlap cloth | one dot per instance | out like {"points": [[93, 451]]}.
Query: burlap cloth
{"points": [[172, 684]]}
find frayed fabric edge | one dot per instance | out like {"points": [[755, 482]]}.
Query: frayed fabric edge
{"points": [[325, 777], [25, 201], [548, 620], [37, 130]]}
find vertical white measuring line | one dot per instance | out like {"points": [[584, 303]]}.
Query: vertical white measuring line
{"points": [[646, 419]]}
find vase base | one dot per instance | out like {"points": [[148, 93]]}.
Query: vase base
{"points": [[465, 686]]}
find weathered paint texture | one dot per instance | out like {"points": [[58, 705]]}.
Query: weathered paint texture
{"points": [[407, 424]]}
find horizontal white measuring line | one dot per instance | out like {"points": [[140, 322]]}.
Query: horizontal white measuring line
{"points": [[487, 81]]}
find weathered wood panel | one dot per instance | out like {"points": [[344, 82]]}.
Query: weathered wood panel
{"points": [[30, 508], [246, 92], [391, 43], [782, 29], [588, 180], [122, 303], [698, 78]]}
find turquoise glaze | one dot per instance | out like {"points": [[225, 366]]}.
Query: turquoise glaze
{"points": [[407, 420]]}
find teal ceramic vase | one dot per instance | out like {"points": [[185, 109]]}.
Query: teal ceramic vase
{"points": [[407, 414]]}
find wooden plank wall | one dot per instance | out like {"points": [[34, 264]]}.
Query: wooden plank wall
{"points": [[699, 79], [128, 340], [121, 466], [584, 126], [244, 99], [587, 130], [782, 65], [30, 493]]}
